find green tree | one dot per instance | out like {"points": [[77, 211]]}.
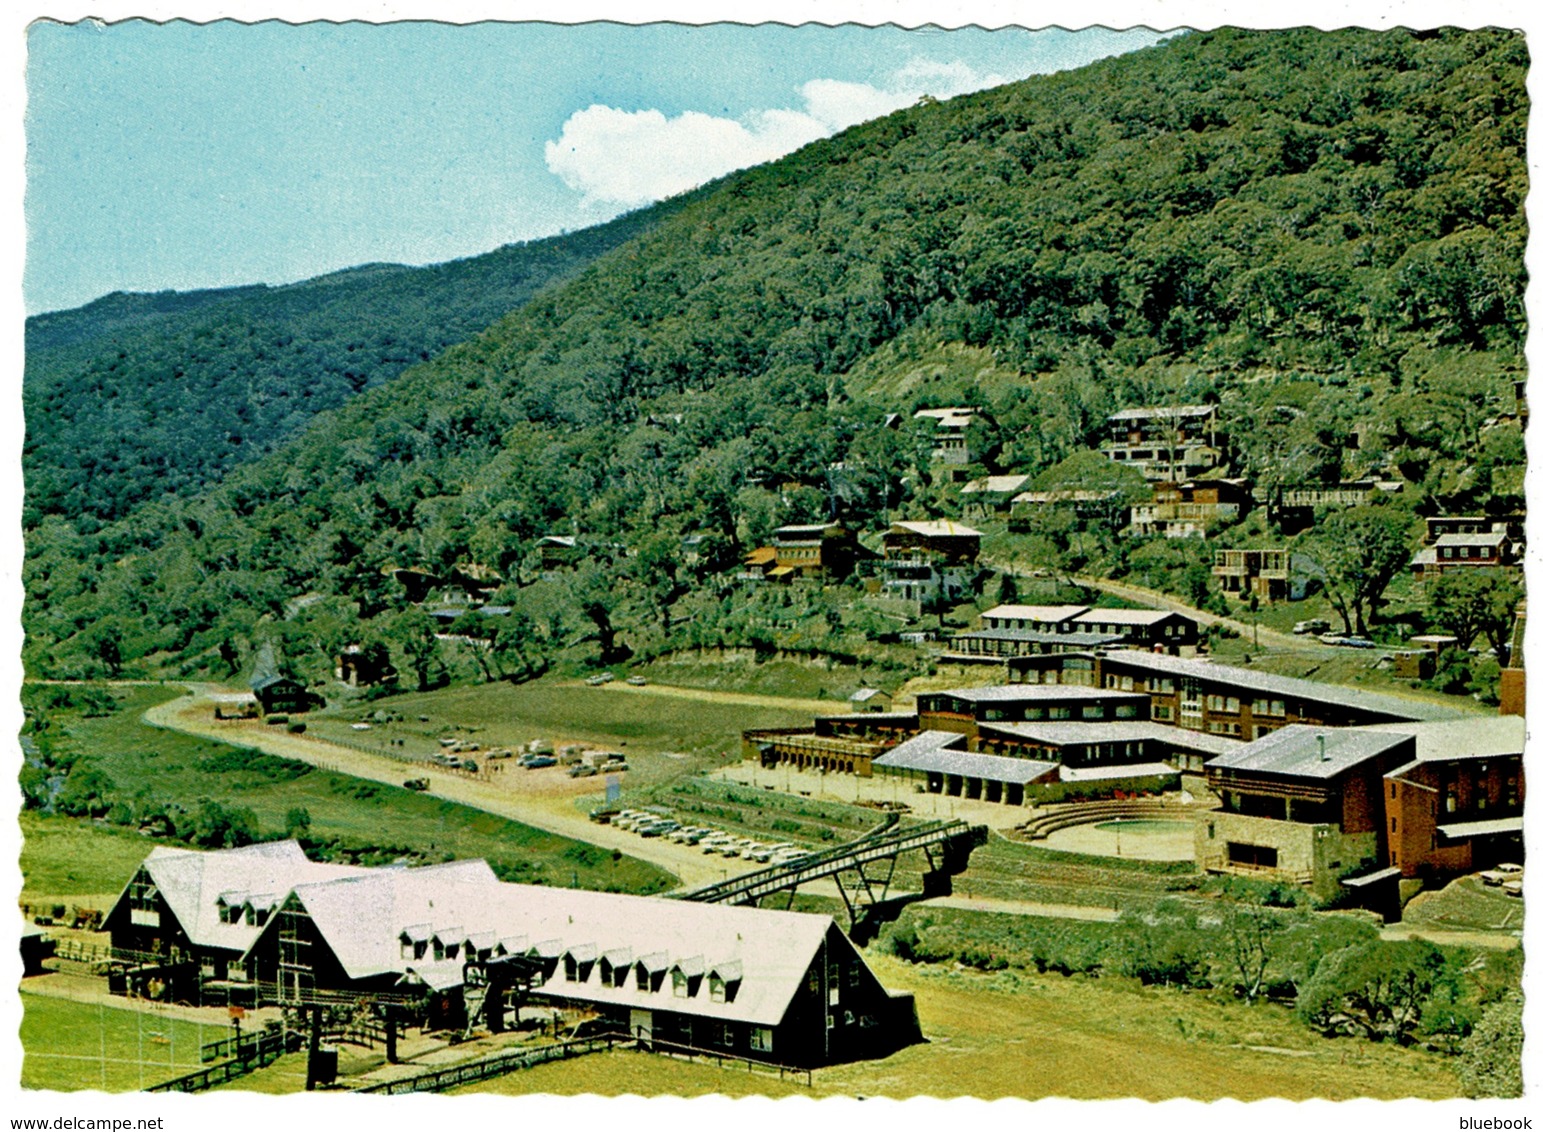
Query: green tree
{"points": [[1490, 1064], [1360, 551], [1374, 990], [297, 822], [1467, 603]]}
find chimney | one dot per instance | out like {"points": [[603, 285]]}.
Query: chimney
{"points": [[1323, 752]]}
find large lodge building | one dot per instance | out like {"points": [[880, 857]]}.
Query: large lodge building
{"points": [[1316, 782], [262, 924]]}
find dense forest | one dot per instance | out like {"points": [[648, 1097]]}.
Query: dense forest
{"points": [[1321, 232], [135, 396]]}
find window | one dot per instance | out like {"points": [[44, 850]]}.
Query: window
{"points": [[1093, 711], [1392, 790], [1060, 713], [1394, 828], [1125, 711], [1161, 712], [761, 1039], [715, 989], [1127, 684]]}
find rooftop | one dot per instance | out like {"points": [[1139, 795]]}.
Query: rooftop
{"points": [[1053, 614], [1476, 538], [936, 528], [1299, 751], [1481, 737], [1168, 412], [994, 484], [934, 751], [1396, 707], [1028, 693], [1075, 734], [1126, 616]]}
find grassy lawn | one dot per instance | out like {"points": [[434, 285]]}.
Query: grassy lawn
{"points": [[110, 1046], [1012, 1035], [69, 857], [509, 714], [362, 820], [1466, 903]]}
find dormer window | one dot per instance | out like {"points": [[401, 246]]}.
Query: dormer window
{"points": [[723, 981]]}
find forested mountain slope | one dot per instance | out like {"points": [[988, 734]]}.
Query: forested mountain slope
{"points": [[133, 396], [1328, 225]]}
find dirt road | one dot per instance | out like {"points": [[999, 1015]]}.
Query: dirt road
{"points": [[193, 715]]}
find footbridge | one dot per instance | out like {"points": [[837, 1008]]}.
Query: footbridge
{"points": [[862, 870]]}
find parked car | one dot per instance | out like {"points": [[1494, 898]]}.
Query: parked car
{"points": [[539, 761], [1348, 642], [636, 681], [581, 771], [1311, 625], [600, 678], [417, 784]]}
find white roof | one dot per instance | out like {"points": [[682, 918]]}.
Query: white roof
{"points": [[557, 540], [1124, 616], [192, 882], [1054, 614], [936, 528], [954, 417], [362, 919], [994, 484], [1163, 412], [1477, 538]]}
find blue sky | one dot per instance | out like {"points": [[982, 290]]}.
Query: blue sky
{"points": [[182, 155]]}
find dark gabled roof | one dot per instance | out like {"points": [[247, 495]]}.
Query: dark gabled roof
{"points": [[263, 683]]}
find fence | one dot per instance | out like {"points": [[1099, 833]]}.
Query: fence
{"points": [[752, 1065], [472, 1071], [265, 1050]]}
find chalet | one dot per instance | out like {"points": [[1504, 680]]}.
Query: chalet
{"points": [[931, 559], [1457, 806], [1220, 699], [1438, 526], [990, 495], [779, 986], [1303, 803], [1189, 510], [276, 693], [1165, 443], [1489, 550], [818, 551], [190, 916], [1270, 574], [950, 442], [1295, 507], [558, 552], [1031, 509]]}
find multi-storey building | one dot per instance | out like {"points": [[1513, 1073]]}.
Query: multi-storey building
{"points": [[928, 560], [1165, 443], [1189, 510]]}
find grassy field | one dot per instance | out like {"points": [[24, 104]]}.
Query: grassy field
{"points": [[1011, 1035], [77, 1045], [509, 714], [69, 857], [368, 821]]}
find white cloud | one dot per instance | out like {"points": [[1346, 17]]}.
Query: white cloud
{"points": [[632, 158]]}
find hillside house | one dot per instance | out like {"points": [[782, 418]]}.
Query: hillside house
{"points": [[929, 560], [1030, 510], [558, 552], [1165, 444], [1457, 806], [990, 495], [1221, 699], [1489, 550], [1189, 510], [1294, 507], [950, 442], [1302, 803], [1270, 574], [870, 699]]}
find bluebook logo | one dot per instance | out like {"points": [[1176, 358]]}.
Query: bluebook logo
{"points": [[1493, 1124]]}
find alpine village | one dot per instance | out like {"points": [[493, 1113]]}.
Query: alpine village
{"points": [[1038, 572]]}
